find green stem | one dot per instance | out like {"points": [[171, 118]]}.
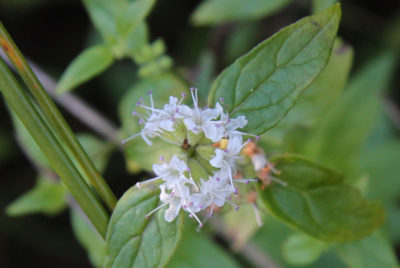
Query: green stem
{"points": [[50, 111], [19, 101]]}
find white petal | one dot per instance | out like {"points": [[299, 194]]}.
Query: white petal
{"points": [[218, 160]]}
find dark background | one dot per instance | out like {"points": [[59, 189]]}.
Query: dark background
{"points": [[52, 32]]}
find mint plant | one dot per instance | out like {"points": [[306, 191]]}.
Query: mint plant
{"points": [[272, 151]]}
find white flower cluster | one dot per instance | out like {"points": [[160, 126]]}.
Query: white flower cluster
{"points": [[179, 190]]}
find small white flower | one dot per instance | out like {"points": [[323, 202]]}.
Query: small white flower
{"points": [[197, 119]]}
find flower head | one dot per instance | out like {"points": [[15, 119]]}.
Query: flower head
{"points": [[202, 177]]}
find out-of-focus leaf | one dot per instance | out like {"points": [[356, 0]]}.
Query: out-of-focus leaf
{"points": [[321, 5], [28, 143], [115, 20], [98, 150], [211, 12], [264, 84], [339, 136], [205, 75], [316, 201], [273, 234], [89, 63], [88, 238], [241, 40], [46, 197], [371, 252], [301, 249], [382, 166], [393, 221], [138, 154], [197, 251], [137, 40], [240, 225], [134, 240]]}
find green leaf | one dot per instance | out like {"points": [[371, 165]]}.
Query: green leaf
{"points": [[316, 201], [301, 249], [136, 241], [138, 154], [91, 62], [46, 197], [321, 5], [196, 250], [319, 97], [264, 84], [118, 20], [103, 14], [371, 252], [382, 166], [242, 38], [211, 12], [339, 136], [98, 150], [88, 238]]}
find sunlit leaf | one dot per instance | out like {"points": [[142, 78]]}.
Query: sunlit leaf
{"points": [[264, 84]]}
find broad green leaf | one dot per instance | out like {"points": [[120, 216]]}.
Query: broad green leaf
{"points": [[196, 250], [88, 237], [319, 97], [88, 64], [46, 196], [339, 136], [136, 241], [138, 154], [264, 84], [316, 201], [98, 150], [371, 252], [211, 12], [301, 249], [321, 5]]}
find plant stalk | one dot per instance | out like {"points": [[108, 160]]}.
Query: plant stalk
{"points": [[19, 101], [61, 128]]}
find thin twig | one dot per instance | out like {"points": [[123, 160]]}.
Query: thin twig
{"points": [[250, 251], [73, 104]]}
